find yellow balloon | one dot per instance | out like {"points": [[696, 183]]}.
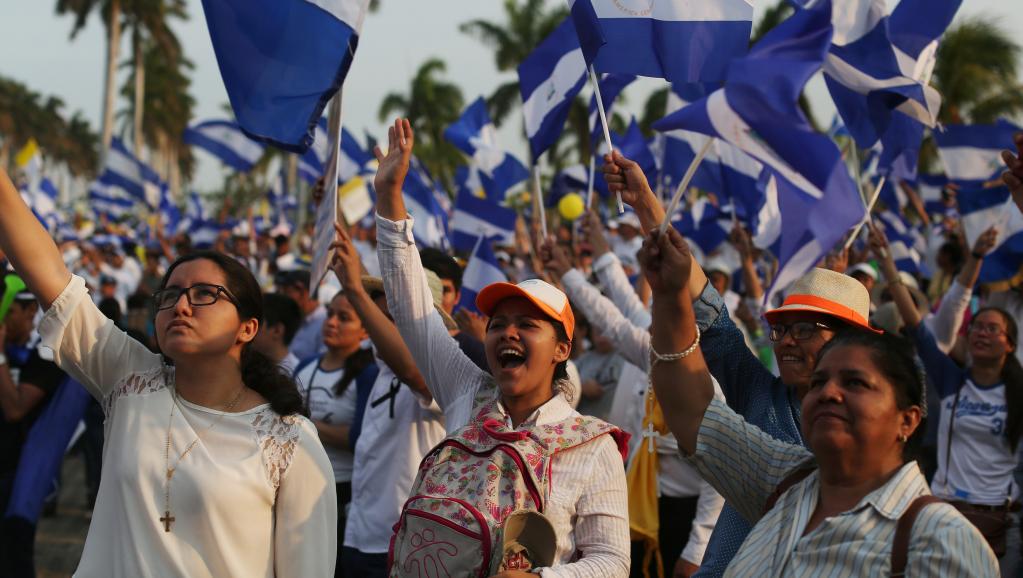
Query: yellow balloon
{"points": [[571, 206]]}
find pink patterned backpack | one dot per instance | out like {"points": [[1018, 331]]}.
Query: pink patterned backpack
{"points": [[451, 526]]}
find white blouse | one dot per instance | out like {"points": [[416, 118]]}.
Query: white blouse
{"points": [[255, 497]]}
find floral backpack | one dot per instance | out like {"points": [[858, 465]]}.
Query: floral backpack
{"points": [[451, 525]]}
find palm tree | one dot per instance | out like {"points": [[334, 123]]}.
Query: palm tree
{"points": [[111, 13], [527, 24], [431, 104], [976, 73]]}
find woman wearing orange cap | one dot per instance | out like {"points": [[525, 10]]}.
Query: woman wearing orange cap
{"points": [[538, 453]]}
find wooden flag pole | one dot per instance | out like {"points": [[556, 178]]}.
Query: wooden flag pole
{"points": [[677, 198], [603, 125], [866, 218]]}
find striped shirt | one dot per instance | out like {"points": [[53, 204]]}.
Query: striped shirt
{"points": [[746, 465]]}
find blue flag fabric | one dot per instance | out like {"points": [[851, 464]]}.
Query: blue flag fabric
{"points": [[587, 26], [757, 112], [572, 179], [678, 40], [430, 219], [549, 78], [611, 85], [226, 141], [353, 162], [481, 270], [982, 208], [971, 153], [126, 177], [475, 217], [282, 61], [705, 224], [475, 135], [902, 243]]}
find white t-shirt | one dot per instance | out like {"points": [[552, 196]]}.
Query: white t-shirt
{"points": [[254, 497], [393, 442], [980, 467], [317, 387]]}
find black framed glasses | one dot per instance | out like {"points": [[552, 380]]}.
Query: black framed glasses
{"points": [[800, 330], [198, 295]]}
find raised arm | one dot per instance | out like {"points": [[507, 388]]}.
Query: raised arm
{"points": [[609, 270], [1013, 177], [449, 373], [382, 331], [29, 247], [900, 294], [945, 322], [625, 176]]}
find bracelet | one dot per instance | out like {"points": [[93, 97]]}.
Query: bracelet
{"points": [[655, 357]]}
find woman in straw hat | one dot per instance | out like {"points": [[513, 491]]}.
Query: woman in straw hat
{"points": [[579, 484], [818, 305], [860, 505]]}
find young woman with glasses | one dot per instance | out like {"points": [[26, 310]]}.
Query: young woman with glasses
{"points": [[208, 468], [981, 417]]}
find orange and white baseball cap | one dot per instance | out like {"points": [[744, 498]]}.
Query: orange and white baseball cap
{"points": [[545, 296], [829, 293]]}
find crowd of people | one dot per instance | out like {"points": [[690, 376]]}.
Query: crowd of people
{"points": [[622, 406]]}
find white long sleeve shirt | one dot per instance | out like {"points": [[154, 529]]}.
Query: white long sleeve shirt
{"points": [[588, 506]]}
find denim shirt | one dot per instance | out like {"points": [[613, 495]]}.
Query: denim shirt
{"points": [[751, 391]]}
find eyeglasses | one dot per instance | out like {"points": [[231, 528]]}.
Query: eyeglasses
{"points": [[987, 329], [198, 295], [800, 330]]}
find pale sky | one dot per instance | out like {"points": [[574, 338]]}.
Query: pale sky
{"points": [[37, 51]]}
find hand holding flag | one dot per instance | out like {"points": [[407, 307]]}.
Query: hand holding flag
{"points": [[1013, 177], [625, 176]]}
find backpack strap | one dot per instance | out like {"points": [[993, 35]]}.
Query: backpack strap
{"points": [[903, 529], [787, 482]]}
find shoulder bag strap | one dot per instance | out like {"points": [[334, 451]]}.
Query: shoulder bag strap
{"points": [[790, 480], [903, 529]]}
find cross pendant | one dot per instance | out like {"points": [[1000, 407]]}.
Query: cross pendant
{"points": [[649, 433], [167, 520]]}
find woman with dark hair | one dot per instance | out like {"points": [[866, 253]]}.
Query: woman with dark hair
{"points": [[850, 503], [514, 443], [208, 468], [981, 417]]}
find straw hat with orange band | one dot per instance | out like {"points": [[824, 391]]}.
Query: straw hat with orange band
{"points": [[829, 293]]}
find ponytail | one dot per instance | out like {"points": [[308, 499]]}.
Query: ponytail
{"points": [[1012, 377], [262, 375], [354, 365]]}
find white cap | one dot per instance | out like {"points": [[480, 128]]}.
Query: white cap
{"points": [[864, 268]]}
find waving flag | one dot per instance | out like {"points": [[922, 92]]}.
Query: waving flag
{"points": [[170, 213], [983, 208], [482, 270], [125, 176], [475, 135], [705, 224], [611, 85], [226, 141], [572, 179], [902, 242], [679, 147], [864, 77], [971, 153], [679, 40], [549, 78], [353, 161], [475, 217], [430, 224], [282, 61], [108, 200], [757, 112]]}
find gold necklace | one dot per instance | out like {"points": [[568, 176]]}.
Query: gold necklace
{"points": [[167, 519]]}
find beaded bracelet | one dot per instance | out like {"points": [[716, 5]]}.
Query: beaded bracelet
{"points": [[655, 357]]}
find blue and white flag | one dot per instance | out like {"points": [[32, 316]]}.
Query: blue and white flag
{"points": [[610, 85], [705, 224], [481, 270], [226, 141], [121, 170], [983, 208], [679, 147], [170, 213], [864, 77], [475, 217], [430, 224], [929, 188], [549, 78], [282, 61], [571, 179], [757, 112], [972, 153], [475, 135], [110, 201], [678, 40], [587, 26], [354, 159], [902, 243]]}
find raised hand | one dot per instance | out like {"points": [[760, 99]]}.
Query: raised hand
{"points": [[394, 165], [471, 323], [625, 177], [346, 263], [837, 261], [666, 261], [1013, 177], [594, 230], [740, 239], [555, 258], [984, 243]]}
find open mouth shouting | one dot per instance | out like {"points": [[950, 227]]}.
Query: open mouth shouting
{"points": [[510, 357]]}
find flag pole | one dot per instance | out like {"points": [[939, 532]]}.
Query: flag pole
{"points": [[589, 182], [677, 198], [866, 218], [541, 210], [603, 125]]}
